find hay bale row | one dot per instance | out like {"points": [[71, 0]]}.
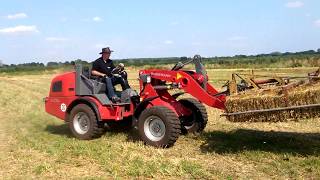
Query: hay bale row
{"points": [[275, 98]]}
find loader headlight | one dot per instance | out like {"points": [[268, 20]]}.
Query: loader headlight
{"points": [[145, 78], [148, 79]]}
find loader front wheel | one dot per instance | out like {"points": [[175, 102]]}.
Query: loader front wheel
{"points": [[197, 121], [83, 123], [159, 126]]}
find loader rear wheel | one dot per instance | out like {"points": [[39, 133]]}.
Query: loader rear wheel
{"points": [[159, 126], [83, 123], [197, 121]]}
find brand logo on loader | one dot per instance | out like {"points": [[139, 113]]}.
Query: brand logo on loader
{"points": [[160, 74], [63, 107], [179, 76]]}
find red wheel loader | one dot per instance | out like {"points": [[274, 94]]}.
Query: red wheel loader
{"points": [[80, 100]]}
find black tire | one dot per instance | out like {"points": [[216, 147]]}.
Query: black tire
{"points": [[159, 126], [197, 121], [83, 123]]}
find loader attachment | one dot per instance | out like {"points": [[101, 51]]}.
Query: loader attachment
{"points": [[273, 99]]}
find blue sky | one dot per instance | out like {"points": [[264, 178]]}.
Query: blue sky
{"points": [[42, 31]]}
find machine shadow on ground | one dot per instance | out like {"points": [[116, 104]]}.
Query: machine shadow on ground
{"points": [[63, 130], [241, 140]]}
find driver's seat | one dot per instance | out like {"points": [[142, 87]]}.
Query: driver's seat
{"points": [[86, 83]]}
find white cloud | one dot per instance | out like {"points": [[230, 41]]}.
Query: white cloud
{"points": [[317, 23], [237, 38], [168, 42], [17, 16], [294, 4], [19, 29], [55, 39], [97, 19]]}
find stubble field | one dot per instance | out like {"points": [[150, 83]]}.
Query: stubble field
{"points": [[34, 144]]}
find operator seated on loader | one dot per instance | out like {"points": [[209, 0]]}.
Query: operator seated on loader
{"points": [[111, 75]]}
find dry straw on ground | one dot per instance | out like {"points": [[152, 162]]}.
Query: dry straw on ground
{"points": [[304, 94]]}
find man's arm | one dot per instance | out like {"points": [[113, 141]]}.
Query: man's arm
{"points": [[95, 69], [97, 73]]}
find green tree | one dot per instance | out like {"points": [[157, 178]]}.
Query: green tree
{"points": [[50, 64], [183, 59], [80, 61], [276, 53]]}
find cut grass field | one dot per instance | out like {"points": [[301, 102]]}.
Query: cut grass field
{"points": [[34, 144]]}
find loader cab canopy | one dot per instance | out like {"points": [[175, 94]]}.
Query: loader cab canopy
{"points": [[90, 85]]}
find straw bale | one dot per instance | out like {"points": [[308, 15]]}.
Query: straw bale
{"points": [[274, 98]]}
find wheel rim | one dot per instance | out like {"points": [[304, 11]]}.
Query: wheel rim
{"points": [[81, 123], [154, 128]]}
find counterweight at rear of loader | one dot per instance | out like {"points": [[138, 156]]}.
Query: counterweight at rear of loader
{"points": [[273, 100]]}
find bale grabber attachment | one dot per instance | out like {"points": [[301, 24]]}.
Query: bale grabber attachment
{"points": [[272, 98]]}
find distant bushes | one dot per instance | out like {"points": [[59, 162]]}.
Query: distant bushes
{"points": [[270, 61], [274, 59], [308, 58]]}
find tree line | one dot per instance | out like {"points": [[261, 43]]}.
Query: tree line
{"points": [[274, 59]]}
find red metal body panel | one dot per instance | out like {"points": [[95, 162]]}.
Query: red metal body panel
{"points": [[58, 101], [68, 85], [57, 106], [186, 82], [164, 99], [115, 112]]}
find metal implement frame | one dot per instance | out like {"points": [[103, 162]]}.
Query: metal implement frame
{"points": [[272, 110], [254, 84], [250, 79]]}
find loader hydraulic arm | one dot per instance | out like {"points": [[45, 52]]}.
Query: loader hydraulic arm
{"points": [[157, 82]]}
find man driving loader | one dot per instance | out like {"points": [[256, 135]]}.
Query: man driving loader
{"points": [[111, 75]]}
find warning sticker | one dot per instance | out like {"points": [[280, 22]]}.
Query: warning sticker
{"points": [[63, 107]]}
